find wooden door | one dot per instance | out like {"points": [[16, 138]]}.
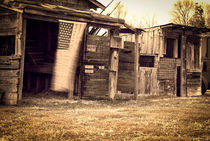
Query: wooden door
{"points": [[95, 65], [147, 80]]}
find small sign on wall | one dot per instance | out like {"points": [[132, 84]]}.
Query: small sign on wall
{"points": [[89, 68]]}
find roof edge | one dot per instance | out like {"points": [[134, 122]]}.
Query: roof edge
{"points": [[98, 4]]}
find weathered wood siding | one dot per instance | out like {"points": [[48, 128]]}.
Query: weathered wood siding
{"points": [[166, 75], [193, 65], [9, 78], [81, 4], [148, 80], [10, 25], [152, 42], [126, 68], [193, 83], [96, 63], [8, 22]]}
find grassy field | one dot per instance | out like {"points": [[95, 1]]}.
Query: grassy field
{"points": [[53, 117]]}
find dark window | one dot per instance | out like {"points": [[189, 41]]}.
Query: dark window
{"points": [[147, 61], [7, 45], [179, 46], [208, 48], [170, 48]]}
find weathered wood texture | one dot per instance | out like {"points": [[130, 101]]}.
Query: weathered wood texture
{"points": [[136, 66], [152, 42], [9, 78], [193, 83], [148, 80], [166, 75], [126, 68], [81, 4], [8, 22], [96, 63], [193, 57]]}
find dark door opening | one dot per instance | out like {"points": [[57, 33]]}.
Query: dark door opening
{"points": [[41, 45], [170, 48], [178, 82]]}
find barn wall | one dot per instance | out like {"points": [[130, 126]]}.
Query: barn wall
{"points": [[193, 65], [148, 80], [166, 75], [9, 78], [193, 83], [126, 68], [96, 63], [10, 28], [152, 42]]}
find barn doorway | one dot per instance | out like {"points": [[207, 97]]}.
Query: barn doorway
{"points": [[40, 49], [178, 82]]}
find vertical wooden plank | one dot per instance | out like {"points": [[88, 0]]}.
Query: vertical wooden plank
{"points": [[183, 67], [113, 66], [22, 60], [136, 65], [200, 53], [155, 42], [161, 40], [175, 48], [113, 72], [82, 56]]}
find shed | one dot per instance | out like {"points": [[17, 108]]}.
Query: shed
{"points": [[47, 45], [170, 60]]}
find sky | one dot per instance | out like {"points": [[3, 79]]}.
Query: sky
{"points": [[147, 8]]}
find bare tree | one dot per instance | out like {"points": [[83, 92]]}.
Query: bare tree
{"points": [[143, 21], [150, 21], [207, 14], [120, 11], [182, 11], [198, 20]]}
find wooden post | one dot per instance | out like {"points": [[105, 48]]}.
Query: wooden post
{"points": [[22, 60], [113, 66], [136, 66], [183, 67], [200, 62]]}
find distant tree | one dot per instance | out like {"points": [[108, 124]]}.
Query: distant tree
{"points": [[198, 20], [150, 21], [182, 11], [120, 11], [143, 21], [207, 14]]}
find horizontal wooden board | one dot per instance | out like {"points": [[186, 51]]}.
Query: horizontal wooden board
{"points": [[12, 64], [8, 80], [7, 88], [10, 73]]}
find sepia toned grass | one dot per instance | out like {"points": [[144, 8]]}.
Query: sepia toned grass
{"points": [[53, 117]]}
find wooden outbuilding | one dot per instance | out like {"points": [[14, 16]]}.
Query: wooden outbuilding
{"points": [[170, 60], [53, 45]]}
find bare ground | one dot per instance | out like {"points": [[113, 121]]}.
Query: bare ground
{"points": [[52, 117]]}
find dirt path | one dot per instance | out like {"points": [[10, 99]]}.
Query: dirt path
{"points": [[149, 118]]}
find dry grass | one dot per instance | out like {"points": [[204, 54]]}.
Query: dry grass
{"points": [[52, 117]]}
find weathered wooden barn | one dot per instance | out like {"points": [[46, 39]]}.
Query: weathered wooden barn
{"points": [[170, 60], [53, 45], [205, 63]]}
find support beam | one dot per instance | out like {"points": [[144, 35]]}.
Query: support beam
{"points": [[22, 28], [113, 66], [183, 67], [136, 66]]}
